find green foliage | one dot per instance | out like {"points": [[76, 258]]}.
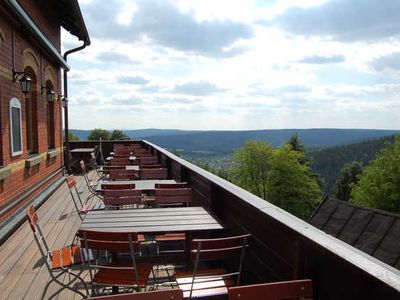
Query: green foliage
{"points": [[379, 185], [253, 162], [290, 184], [98, 133], [347, 178], [72, 137], [329, 161], [118, 134]]}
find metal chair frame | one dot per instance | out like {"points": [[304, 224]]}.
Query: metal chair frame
{"points": [[47, 256]]}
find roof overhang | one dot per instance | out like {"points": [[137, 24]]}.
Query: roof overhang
{"points": [[72, 19]]}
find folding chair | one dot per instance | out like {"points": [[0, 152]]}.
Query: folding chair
{"points": [[153, 295], [109, 268], [212, 282], [284, 290], [161, 173], [119, 198], [91, 187], [58, 261], [81, 207], [94, 166]]}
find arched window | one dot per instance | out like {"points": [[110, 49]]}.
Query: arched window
{"points": [[50, 120], [31, 112], [15, 127]]}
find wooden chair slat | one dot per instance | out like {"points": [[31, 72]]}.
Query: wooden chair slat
{"points": [[296, 289]]}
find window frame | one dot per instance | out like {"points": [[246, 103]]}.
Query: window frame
{"points": [[15, 103]]}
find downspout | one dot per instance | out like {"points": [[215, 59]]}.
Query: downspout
{"points": [[67, 160]]}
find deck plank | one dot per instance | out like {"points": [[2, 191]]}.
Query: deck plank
{"points": [[22, 274]]}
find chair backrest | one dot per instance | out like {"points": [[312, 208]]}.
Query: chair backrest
{"points": [[175, 294], [284, 290], [218, 249], [33, 218], [76, 198], [150, 160], [173, 195], [123, 174], [122, 155], [134, 147], [109, 241], [122, 197], [122, 186], [171, 185], [160, 173]]}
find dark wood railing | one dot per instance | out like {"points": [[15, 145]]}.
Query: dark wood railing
{"points": [[282, 247]]}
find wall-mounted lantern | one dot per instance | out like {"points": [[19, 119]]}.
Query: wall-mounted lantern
{"points": [[50, 94], [24, 80]]}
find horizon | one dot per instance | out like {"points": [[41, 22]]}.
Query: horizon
{"points": [[316, 128], [259, 64]]}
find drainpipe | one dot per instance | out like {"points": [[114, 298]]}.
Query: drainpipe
{"points": [[67, 160]]}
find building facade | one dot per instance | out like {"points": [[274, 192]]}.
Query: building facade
{"points": [[31, 142]]}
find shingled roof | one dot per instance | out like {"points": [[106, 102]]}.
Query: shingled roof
{"points": [[374, 232]]}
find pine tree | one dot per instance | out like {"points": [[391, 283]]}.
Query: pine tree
{"points": [[346, 180]]}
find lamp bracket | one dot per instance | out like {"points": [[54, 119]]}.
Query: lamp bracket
{"points": [[17, 75]]}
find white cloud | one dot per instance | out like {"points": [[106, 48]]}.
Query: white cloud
{"points": [[198, 65]]}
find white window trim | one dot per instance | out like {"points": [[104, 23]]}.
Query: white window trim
{"points": [[14, 102]]}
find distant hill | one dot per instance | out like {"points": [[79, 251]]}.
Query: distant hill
{"points": [[329, 161], [223, 142], [138, 133]]}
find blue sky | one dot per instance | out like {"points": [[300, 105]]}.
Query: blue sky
{"points": [[190, 64]]}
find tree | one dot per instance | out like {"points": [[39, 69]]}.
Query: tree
{"points": [[290, 183], [97, 134], [252, 166], [348, 177], [118, 134], [295, 143], [72, 137], [379, 185]]}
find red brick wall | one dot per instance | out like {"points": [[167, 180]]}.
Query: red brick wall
{"points": [[24, 178]]}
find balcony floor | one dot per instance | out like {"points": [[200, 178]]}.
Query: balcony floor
{"points": [[22, 272]]}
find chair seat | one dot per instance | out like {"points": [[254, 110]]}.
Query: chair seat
{"points": [[66, 257], [212, 285], [123, 277]]}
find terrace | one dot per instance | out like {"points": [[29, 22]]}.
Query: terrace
{"points": [[282, 247]]}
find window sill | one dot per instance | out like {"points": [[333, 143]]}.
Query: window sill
{"points": [[5, 172], [52, 153], [33, 161]]}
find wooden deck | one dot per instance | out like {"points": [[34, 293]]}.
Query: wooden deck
{"points": [[22, 272]]}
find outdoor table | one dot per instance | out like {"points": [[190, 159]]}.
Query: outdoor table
{"points": [[152, 220], [145, 185]]}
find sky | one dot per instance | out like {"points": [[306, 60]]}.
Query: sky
{"points": [[236, 65]]}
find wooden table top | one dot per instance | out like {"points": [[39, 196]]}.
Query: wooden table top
{"points": [[82, 150], [152, 220], [139, 184], [129, 167]]}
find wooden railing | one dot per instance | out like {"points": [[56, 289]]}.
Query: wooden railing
{"points": [[282, 247]]}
